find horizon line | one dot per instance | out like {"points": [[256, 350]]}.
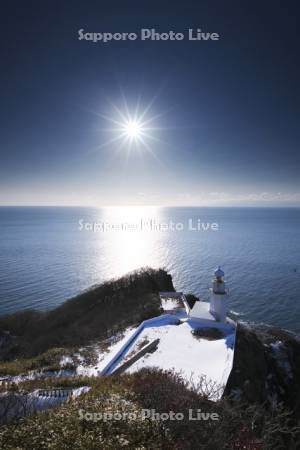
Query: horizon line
{"points": [[145, 206]]}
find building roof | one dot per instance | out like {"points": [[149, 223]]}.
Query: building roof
{"points": [[219, 272]]}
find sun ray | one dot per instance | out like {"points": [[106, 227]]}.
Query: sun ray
{"points": [[134, 128]]}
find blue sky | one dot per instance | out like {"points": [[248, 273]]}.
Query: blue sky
{"points": [[224, 114]]}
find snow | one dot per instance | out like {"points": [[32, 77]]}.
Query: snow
{"points": [[169, 304], [105, 357], [201, 309], [38, 375], [281, 357], [81, 390], [65, 360], [179, 350]]}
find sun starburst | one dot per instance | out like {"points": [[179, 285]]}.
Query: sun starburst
{"points": [[131, 128]]}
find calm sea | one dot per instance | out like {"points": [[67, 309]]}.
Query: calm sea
{"points": [[50, 254]]}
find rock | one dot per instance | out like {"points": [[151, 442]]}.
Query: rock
{"points": [[5, 338], [266, 367]]}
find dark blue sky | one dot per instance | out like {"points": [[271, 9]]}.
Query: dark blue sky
{"points": [[226, 113]]}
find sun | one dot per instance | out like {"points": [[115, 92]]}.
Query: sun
{"points": [[133, 129]]}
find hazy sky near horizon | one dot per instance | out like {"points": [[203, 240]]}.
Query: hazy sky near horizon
{"points": [[224, 115]]}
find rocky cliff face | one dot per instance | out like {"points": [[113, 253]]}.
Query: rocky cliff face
{"points": [[6, 344], [266, 367]]}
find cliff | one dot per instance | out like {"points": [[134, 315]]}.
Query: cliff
{"points": [[260, 407], [266, 367]]}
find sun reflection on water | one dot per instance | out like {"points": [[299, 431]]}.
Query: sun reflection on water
{"points": [[131, 245]]}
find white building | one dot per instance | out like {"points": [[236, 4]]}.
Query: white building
{"points": [[215, 311]]}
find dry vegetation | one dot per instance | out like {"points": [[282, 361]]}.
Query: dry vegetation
{"points": [[240, 426], [98, 313], [211, 334], [101, 314]]}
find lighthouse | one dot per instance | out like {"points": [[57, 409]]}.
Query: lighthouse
{"points": [[218, 296]]}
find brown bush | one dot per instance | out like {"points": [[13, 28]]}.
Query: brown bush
{"points": [[240, 426], [96, 313]]}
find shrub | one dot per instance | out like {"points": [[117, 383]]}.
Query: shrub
{"points": [[239, 426], [211, 334], [94, 314]]}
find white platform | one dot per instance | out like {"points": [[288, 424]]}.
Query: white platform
{"points": [[200, 310], [201, 313]]}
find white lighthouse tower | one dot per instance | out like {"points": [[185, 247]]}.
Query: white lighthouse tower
{"points": [[218, 296]]}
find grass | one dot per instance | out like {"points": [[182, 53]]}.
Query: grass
{"points": [[47, 361], [49, 383]]}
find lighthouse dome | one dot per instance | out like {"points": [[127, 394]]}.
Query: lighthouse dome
{"points": [[219, 272]]}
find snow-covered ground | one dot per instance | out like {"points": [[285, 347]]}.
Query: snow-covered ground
{"points": [[105, 356], [169, 304], [37, 375], [178, 349]]}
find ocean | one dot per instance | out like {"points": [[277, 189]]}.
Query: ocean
{"points": [[49, 254]]}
